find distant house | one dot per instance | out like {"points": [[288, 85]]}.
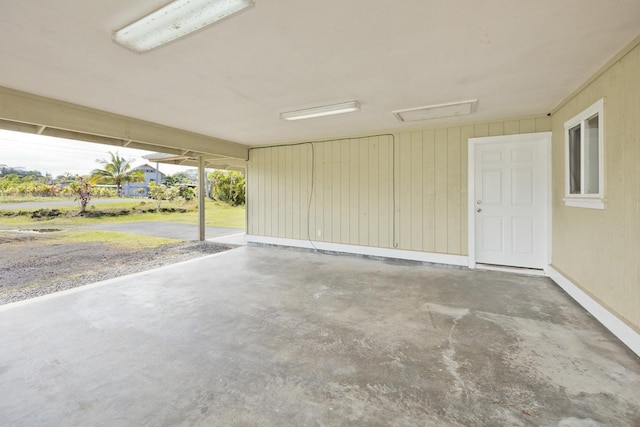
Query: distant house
{"points": [[151, 174]]}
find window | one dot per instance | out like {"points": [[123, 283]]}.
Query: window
{"points": [[584, 153]]}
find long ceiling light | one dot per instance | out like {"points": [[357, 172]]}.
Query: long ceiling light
{"points": [[325, 110], [175, 20], [452, 109]]}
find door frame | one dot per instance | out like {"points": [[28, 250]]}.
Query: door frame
{"points": [[471, 189]]}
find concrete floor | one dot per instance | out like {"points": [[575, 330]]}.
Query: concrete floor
{"points": [[265, 336]]}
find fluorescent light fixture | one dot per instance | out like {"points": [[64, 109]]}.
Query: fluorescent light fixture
{"points": [[429, 112], [175, 20], [325, 110]]}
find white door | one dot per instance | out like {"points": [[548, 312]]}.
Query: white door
{"points": [[510, 200]]}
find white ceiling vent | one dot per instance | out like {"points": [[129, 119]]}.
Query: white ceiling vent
{"points": [[453, 109]]}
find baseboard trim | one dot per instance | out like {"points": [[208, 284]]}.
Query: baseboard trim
{"points": [[617, 327], [459, 260]]}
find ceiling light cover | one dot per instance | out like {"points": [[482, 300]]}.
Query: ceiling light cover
{"points": [[325, 110], [429, 112], [175, 20]]}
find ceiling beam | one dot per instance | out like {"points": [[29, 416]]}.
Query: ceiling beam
{"points": [[35, 112]]}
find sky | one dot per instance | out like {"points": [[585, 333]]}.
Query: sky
{"points": [[56, 155]]}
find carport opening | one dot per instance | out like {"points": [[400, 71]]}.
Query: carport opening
{"points": [[139, 222], [47, 167]]}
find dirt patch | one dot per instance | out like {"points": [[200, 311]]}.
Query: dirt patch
{"points": [[28, 270]]}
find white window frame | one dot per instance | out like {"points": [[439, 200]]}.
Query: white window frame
{"points": [[593, 201]]}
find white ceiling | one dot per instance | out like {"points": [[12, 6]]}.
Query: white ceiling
{"points": [[233, 79]]}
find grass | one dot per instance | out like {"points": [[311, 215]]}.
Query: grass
{"points": [[5, 200], [109, 237], [26, 199], [217, 214]]}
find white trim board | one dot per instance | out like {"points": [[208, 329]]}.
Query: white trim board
{"points": [[616, 326], [431, 257]]}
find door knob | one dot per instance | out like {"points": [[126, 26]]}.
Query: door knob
{"points": [[478, 210], [478, 201]]}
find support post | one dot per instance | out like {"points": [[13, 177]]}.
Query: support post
{"points": [[201, 198]]}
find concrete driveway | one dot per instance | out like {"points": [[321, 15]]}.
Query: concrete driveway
{"points": [[169, 230], [274, 337]]}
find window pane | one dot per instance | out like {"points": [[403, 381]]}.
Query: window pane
{"points": [[574, 160], [591, 156]]}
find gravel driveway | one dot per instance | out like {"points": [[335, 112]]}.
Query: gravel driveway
{"points": [[31, 267]]}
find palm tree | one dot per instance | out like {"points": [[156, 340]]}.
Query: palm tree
{"points": [[117, 171]]}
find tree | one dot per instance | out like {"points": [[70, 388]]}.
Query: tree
{"points": [[185, 177], [82, 190], [116, 171], [228, 186], [157, 191]]}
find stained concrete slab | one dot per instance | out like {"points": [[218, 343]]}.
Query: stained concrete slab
{"points": [[267, 336], [170, 230]]}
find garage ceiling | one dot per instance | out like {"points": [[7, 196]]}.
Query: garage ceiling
{"points": [[233, 79]]}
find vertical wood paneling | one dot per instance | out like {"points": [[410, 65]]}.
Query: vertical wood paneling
{"points": [[353, 186], [251, 183], [261, 193], [543, 124], [282, 197], [336, 190], [306, 170], [631, 177], [363, 192], [374, 192], [600, 249], [385, 207], [345, 213], [327, 217], [442, 191], [404, 191], [466, 132], [317, 232], [415, 184], [429, 191], [275, 191], [251, 179], [454, 189], [528, 126], [512, 127], [496, 129], [354, 189], [614, 159], [481, 130], [268, 184], [297, 192], [288, 192]]}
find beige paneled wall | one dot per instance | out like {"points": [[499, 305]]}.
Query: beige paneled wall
{"points": [[599, 250], [405, 191]]}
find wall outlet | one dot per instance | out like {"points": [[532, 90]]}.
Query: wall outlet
{"points": [[319, 232]]}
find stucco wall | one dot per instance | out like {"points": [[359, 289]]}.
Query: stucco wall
{"points": [[599, 250], [406, 191]]}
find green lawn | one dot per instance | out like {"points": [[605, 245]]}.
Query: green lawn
{"points": [[217, 214], [25, 199]]}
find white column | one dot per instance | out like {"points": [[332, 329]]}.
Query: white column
{"points": [[201, 198]]}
